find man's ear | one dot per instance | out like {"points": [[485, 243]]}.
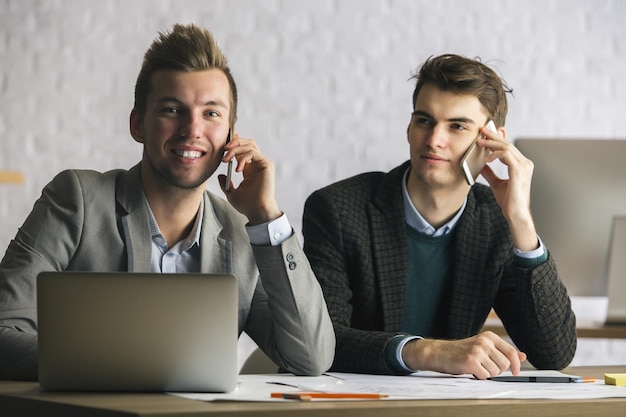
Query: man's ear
{"points": [[136, 126]]}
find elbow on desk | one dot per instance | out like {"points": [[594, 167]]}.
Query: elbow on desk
{"points": [[320, 359], [557, 354]]}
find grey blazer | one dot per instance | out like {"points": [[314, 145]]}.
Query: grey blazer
{"points": [[91, 221]]}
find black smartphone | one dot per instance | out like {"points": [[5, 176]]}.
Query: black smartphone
{"points": [[229, 170], [474, 159]]}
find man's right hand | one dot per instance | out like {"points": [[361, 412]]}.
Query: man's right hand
{"points": [[483, 355], [254, 197]]}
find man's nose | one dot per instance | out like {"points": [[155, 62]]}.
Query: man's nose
{"points": [[437, 137], [192, 127]]}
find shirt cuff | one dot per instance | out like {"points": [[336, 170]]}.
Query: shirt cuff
{"points": [[393, 353], [271, 233], [530, 259]]}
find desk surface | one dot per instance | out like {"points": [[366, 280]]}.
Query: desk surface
{"points": [[25, 399]]}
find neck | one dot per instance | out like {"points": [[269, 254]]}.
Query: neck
{"points": [[175, 219], [174, 209], [437, 205]]}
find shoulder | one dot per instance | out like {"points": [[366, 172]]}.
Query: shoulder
{"points": [[225, 214], [359, 189], [481, 197], [483, 209], [346, 197], [482, 194], [85, 177], [92, 185], [361, 184], [222, 207]]}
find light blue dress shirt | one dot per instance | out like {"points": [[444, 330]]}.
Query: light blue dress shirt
{"points": [[184, 256]]}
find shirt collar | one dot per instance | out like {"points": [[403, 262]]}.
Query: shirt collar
{"points": [[414, 219], [190, 240]]}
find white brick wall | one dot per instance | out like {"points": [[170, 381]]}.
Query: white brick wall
{"points": [[323, 83]]}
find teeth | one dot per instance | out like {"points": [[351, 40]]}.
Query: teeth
{"points": [[188, 154]]}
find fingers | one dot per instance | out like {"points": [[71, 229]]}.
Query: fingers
{"points": [[222, 181], [498, 356], [522, 357], [254, 196], [482, 355], [490, 176], [496, 143], [244, 151], [506, 152]]}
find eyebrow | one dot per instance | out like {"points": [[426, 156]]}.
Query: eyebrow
{"points": [[452, 119], [170, 99]]}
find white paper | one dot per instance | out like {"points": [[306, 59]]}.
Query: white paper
{"points": [[420, 385]]}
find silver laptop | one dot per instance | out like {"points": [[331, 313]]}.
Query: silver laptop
{"points": [[616, 272], [137, 332]]}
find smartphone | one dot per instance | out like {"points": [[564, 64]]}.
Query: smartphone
{"points": [[229, 170], [474, 159]]}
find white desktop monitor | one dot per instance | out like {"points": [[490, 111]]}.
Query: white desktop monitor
{"points": [[579, 186]]}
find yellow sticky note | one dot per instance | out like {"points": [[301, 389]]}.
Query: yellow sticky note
{"points": [[615, 379]]}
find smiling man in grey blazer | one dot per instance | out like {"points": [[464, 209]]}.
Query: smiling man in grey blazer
{"points": [[158, 216]]}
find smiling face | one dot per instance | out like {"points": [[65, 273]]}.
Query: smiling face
{"points": [[184, 128], [442, 127]]}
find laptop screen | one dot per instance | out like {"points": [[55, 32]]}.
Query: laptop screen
{"points": [[137, 332]]}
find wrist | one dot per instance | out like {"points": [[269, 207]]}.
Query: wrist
{"points": [[393, 354], [413, 352], [264, 215], [524, 234]]}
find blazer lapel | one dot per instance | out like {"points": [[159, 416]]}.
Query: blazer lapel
{"points": [[388, 234], [134, 219], [470, 287], [216, 251]]}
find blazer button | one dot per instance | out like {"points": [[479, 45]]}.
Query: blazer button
{"points": [[290, 257], [292, 265]]}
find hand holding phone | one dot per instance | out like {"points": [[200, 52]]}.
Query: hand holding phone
{"points": [[474, 159]]}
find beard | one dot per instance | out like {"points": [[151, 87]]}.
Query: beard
{"points": [[167, 176], [187, 184]]}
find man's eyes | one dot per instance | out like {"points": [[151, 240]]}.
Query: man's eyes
{"points": [[458, 126], [170, 110], [452, 127], [424, 121], [175, 111]]}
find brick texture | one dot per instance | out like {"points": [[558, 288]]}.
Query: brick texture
{"points": [[324, 84]]}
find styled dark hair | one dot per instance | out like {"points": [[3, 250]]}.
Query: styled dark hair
{"points": [[462, 75], [184, 48]]}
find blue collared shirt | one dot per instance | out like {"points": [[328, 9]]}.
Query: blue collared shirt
{"points": [[414, 219], [184, 256]]}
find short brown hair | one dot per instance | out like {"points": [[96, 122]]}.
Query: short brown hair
{"points": [[462, 75], [184, 48]]}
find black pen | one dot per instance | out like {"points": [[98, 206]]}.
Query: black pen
{"points": [[551, 379]]}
